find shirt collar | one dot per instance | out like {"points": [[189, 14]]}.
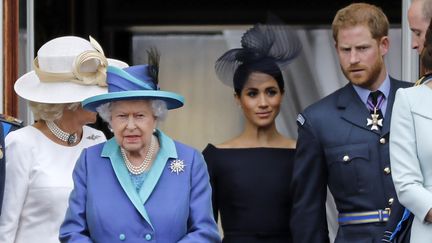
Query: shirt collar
{"points": [[364, 93]]}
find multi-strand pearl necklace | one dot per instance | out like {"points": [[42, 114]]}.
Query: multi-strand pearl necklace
{"points": [[136, 170], [60, 134]]}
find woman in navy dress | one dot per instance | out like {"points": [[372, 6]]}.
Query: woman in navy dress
{"points": [[250, 173]]}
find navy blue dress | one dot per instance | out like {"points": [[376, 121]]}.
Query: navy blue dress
{"points": [[251, 191]]}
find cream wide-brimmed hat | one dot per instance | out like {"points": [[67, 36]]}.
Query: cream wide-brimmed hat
{"points": [[67, 69]]}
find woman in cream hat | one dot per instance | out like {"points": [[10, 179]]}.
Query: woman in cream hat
{"points": [[41, 156], [140, 185]]}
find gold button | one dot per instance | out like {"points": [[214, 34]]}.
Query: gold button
{"points": [[382, 140], [390, 201], [1, 154], [387, 170], [346, 158]]}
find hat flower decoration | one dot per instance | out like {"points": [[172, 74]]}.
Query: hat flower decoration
{"points": [[67, 69]]}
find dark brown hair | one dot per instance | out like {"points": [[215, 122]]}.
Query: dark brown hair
{"points": [[426, 55]]}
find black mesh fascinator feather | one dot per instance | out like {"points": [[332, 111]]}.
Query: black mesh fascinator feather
{"points": [[264, 46], [153, 64]]}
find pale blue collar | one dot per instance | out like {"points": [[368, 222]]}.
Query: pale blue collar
{"points": [[364, 93], [167, 147]]}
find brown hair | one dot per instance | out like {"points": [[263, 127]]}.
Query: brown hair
{"points": [[426, 55], [361, 14]]}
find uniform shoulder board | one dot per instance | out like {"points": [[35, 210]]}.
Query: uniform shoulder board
{"points": [[300, 119], [10, 123], [10, 119]]}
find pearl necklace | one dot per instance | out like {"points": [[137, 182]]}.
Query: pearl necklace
{"points": [[136, 170], [62, 135]]}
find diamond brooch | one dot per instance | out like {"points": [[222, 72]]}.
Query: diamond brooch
{"points": [[177, 166], [93, 137]]}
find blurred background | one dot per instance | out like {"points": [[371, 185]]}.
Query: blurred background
{"points": [[191, 35]]}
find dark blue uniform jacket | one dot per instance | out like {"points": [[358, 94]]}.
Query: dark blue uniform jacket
{"points": [[337, 149]]}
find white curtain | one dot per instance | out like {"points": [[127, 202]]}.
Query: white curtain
{"points": [[210, 114]]}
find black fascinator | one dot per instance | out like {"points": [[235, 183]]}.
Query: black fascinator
{"points": [[264, 46], [153, 64]]}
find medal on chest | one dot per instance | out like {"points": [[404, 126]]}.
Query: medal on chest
{"points": [[374, 121]]}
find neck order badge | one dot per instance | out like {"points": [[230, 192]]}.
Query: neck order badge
{"points": [[374, 103]]}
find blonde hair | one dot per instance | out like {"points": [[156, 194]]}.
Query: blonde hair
{"points": [[50, 112], [361, 14]]}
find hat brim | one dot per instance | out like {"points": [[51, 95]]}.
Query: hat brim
{"points": [[172, 100], [31, 88]]}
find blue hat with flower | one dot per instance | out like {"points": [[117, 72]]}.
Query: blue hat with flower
{"points": [[138, 82]]}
